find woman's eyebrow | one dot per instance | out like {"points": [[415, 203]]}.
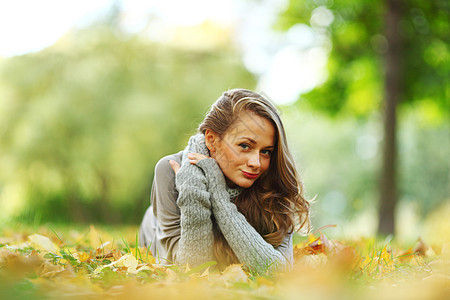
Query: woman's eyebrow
{"points": [[254, 142], [249, 139]]}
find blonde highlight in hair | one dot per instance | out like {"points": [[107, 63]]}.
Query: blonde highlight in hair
{"points": [[274, 205]]}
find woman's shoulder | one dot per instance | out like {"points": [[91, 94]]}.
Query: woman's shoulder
{"points": [[163, 166]]}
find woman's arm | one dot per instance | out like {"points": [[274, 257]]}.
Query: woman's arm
{"points": [[248, 245], [196, 242], [160, 228], [183, 230]]}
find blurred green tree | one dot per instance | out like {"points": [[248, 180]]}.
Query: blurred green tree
{"points": [[397, 46], [84, 122]]}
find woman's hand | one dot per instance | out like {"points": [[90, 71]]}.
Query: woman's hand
{"points": [[194, 158], [175, 166]]}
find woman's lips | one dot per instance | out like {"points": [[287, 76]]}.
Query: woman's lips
{"points": [[250, 175]]}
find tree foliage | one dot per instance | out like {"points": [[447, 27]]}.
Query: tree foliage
{"points": [[84, 122], [358, 43], [382, 54]]}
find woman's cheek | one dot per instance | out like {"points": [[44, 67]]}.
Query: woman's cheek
{"points": [[224, 164], [266, 164]]}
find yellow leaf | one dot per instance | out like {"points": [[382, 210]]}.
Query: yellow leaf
{"points": [[187, 268], [234, 273], [171, 275], [205, 273], [41, 242], [48, 269], [81, 256], [100, 268], [264, 281], [128, 261], [100, 241], [312, 238], [143, 268], [314, 260]]}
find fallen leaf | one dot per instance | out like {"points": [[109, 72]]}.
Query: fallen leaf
{"points": [[234, 273], [128, 261], [40, 242], [82, 256], [420, 248], [143, 268]]}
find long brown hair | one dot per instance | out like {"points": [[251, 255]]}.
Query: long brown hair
{"points": [[274, 205]]}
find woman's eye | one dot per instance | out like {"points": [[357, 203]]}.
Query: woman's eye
{"points": [[244, 146], [266, 152]]}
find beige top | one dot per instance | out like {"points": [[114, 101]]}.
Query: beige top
{"points": [[161, 224]]}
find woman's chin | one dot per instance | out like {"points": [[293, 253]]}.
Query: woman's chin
{"points": [[244, 183]]}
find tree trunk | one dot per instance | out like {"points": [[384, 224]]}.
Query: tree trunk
{"points": [[393, 91]]}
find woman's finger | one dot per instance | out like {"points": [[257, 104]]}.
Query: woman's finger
{"points": [[175, 166], [194, 158]]}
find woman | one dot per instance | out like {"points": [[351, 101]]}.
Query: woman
{"points": [[233, 195]]}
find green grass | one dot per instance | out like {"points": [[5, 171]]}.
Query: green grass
{"points": [[362, 268]]}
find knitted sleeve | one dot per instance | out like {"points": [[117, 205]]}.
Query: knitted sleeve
{"points": [[196, 241], [248, 245]]}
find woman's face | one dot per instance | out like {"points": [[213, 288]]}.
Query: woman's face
{"points": [[245, 150]]}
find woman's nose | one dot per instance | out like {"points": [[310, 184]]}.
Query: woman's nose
{"points": [[253, 160]]}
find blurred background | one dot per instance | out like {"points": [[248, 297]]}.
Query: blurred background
{"points": [[94, 93]]}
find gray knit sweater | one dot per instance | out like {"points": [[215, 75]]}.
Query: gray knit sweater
{"points": [[203, 191]]}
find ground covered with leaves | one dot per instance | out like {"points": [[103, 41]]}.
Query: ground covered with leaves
{"points": [[96, 262]]}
